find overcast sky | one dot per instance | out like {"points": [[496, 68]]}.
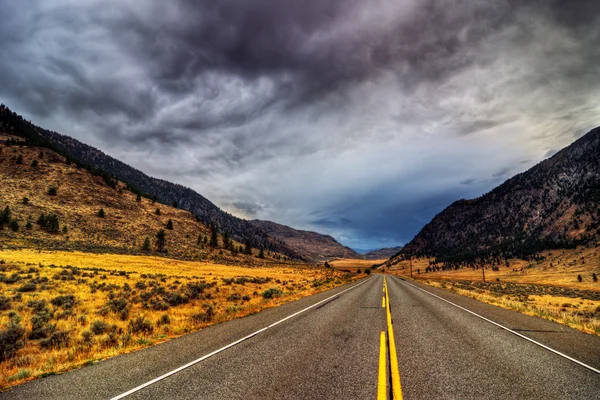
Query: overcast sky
{"points": [[361, 119]]}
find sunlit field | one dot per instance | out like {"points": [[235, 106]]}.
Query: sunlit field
{"points": [[61, 310]]}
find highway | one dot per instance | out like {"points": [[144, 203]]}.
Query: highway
{"points": [[336, 345]]}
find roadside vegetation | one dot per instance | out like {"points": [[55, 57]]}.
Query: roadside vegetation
{"points": [[558, 285], [61, 310]]}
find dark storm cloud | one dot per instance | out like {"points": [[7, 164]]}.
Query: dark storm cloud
{"points": [[277, 109]]}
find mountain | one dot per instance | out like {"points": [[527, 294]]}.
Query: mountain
{"points": [[381, 254], [113, 170], [81, 212], [555, 204], [314, 246]]}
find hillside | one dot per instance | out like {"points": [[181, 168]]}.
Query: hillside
{"points": [[314, 246], [381, 254], [159, 190], [555, 204], [27, 174]]}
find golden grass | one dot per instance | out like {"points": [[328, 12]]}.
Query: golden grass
{"points": [[557, 268], [577, 313], [352, 264], [117, 290]]}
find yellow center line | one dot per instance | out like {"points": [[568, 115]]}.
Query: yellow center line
{"points": [[382, 381], [395, 372], [383, 302]]}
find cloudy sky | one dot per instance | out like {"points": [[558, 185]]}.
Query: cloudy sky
{"points": [[361, 119]]}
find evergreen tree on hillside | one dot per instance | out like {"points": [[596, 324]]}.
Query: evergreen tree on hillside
{"points": [[161, 240], [5, 217], [248, 247], [225, 240], [170, 225], [214, 236], [146, 245], [34, 163], [20, 159], [101, 213], [261, 253]]}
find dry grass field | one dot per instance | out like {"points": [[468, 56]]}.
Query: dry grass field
{"points": [[352, 264], [61, 310], [548, 287]]}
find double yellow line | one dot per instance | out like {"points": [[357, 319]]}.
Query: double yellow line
{"points": [[395, 372]]}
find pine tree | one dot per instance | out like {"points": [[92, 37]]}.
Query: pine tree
{"points": [[248, 247], [170, 225], [138, 198], [214, 236], [14, 225], [101, 213], [34, 163], [20, 159], [161, 240], [52, 191], [42, 220], [199, 240], [225, 240], [157, 212], [261, 253], [5, 217], [146, 245]]}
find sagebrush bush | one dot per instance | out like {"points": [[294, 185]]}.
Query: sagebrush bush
{"points": [[141, 325], [99, 327], [11, 338], [271, 293]]}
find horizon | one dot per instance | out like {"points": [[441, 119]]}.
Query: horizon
{"points": [[357, 121]]}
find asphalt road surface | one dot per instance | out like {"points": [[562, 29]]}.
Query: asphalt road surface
{"points": [[331, 346]]}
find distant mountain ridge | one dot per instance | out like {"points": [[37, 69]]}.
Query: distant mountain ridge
{"points": [[555, 204], [315, 246], [381, 254]]}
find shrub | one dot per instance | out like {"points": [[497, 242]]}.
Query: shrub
{"points": [[57, 340], [66, 302], [11, 338], [164, 320], [20, 159], [146, 245], [52, 191], [141, 325], [101, 213], [25, 200], [170, 225], [206, 316], [4, 303], [87, 337], [34, 163], [22, 374], [579, 278], [594, 277], [271, 293], [14, 225], [157, 212], [99, 327], [27, 287], [368, 271], [29, 226]]}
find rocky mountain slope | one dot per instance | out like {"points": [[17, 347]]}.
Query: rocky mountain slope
{"points": [[555, 204], [314, 246], [82, 212], [381, 254], [136, 181]]}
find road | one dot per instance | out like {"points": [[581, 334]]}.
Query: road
{"points": [[331, 346]]}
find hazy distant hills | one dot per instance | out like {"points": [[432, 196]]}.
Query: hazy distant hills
{"points": [[296, 244], [381, 254], [555, 204], [314, 246]]}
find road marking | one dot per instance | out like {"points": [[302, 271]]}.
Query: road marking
{"points": [[395, 372], [383, 302], [173, 372], [382, 381], [510, 330]]}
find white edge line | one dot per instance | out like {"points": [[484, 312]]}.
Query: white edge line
{"points": [[173, 372], [510, 330]]}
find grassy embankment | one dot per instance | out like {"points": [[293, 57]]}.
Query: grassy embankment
{"points": [[70, 309], [547, 288]]}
